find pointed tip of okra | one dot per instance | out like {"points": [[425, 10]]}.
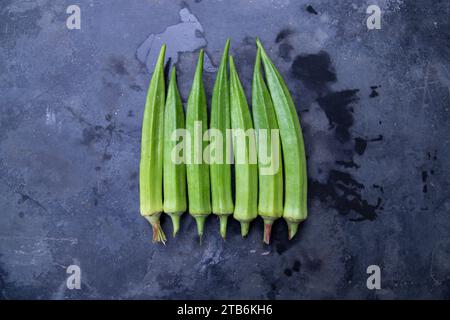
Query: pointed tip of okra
{"points": [[199, 68], [245, 227], [162, 53], [227, 45], [223, 219], [173, 74], [230, 57], [292, 228], [258, 54], [232, 66], [267, 230], [158, 233], [200, 220], [224, 58], [260, 47], [257, 70], [175, 217]]}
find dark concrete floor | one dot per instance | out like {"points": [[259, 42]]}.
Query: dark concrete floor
{"points": [[374, 106]]}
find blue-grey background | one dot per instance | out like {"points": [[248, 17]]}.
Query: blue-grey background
{"points": [[374, 107]]}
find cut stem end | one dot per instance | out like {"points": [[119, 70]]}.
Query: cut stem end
{"points": [[175, 217], [292, 228], [245, 226], [200, 220], [267, 230], [158, 233], [223, 219]]}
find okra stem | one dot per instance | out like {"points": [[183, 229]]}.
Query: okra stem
{"points": [[223, 221]]}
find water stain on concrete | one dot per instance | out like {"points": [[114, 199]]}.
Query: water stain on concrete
{"points": [[186, 36], [341, 190], [361, 143], [339, 111], [314, 70], [311, 10]]}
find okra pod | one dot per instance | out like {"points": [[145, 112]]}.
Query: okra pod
{"points": [[196, 168], [220, 168], [295, 203], [246, 173], [270, 171], [174, 178], [151, 164]]}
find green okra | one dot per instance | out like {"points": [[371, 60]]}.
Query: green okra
{"points": [[295, 203], [246, 173], [174, 178], [220, 168], [196, 168], [151, 164], [270, 174]]}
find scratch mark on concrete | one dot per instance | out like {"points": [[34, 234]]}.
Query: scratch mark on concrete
{"points": [[72, 241]]}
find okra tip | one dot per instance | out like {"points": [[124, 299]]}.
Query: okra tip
{"points": [[199, 68], [258, 42], [260, 46], [223, 219], [173, 74], [161, 55], [158, 233], [232, 67], [245, 227], [227, 45]]}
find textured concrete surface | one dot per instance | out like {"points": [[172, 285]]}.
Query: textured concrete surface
{"points": [[374, 107]]}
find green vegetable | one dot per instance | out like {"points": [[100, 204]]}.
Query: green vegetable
{"points": [[270, 202], [295, 203], [151, 165], [197, 169], [222, 199], [246, 173], [174, 173]]}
